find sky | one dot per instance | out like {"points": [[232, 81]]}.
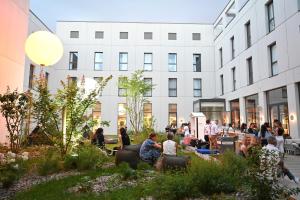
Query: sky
{"points": [[191, 11]]}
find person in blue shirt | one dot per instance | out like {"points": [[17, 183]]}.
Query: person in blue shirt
{"points": [[150, 149]]}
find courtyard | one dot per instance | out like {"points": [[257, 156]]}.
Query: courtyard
{"points": [[164, 100]]}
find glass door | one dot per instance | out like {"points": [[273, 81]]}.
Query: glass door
{"points": [[280, 112]]}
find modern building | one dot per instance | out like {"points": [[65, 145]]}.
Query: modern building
{"points": [[243, 68]]}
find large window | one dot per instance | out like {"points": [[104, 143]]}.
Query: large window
{"points": [[221, 57], [123, 61], [252, 112], [172, 36], [172, 87], [148, 81], [197, 87], [123, 35], [250, 71], [96, 113], [147, 111], [98, 61], [273, 59], [74, 34], [233, 79], [173, 114], [248, 34], [235, 113], [148, 35], [31, 76], [121, 90], [197, 62], [121, 115], [73, 60], [270, 16], [277, 101], [232, 47], [148, 59], [222, 84], [172, 61]]}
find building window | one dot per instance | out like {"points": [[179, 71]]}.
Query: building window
{"points": [[222, 84], [233, 79], [197, 87], [123, 35], [273, 59], [270, 16], [173, 114], [99, 34], [235, 113], [123, 61], [121, 115], [196, 36], [148, 81], [31, 76], [252, 112], [73, 60], [147, 111], [221, 57], [197, 62], [72, 80], [148, 59], [172, 87], [248, 34], [96, 113], [47, 77], [250, 71], [74, 34], [232, 47], [172, 62], [147, 35], [98, 61], [172, 36], [121, 90]]}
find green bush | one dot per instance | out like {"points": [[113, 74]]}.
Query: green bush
{"points": [[144, 166], [126, 171], [50, 163], [10, 173], [84, 158]]}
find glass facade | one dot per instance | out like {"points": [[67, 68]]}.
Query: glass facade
{"points": [[147, 111], [277, 101], [235, 113], [173, 114], [121, 115], [252, 113]]}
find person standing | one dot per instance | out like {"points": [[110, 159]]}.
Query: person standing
{"points": [[214, 135], [207, 130]]}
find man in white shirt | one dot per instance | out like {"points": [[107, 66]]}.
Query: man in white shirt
{"points": [[169, 146], [207, 130], [214, 135]]}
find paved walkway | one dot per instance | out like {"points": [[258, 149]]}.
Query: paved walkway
{"points": [[293, 164]]}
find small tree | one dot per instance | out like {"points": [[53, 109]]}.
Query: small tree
{"points": [[136, 90], [14, 107]]}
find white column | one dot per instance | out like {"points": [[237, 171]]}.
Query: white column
{"points": [[242, 110], [294, 110], [262, 107]]}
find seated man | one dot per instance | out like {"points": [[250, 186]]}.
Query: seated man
{"points": [[150, 149], [169, 146]]}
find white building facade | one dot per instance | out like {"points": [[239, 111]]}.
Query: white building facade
{"points": [[243, 68]]}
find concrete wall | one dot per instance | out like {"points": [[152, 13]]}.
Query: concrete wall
{"points": [[14, 26]]}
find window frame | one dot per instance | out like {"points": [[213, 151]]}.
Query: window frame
{"points": [[120, 94], [170, 34], [232, 47], [74, 32], [31, 76], [222, 84], [194, 34], [171, 64], [233, 73], [99, 38], [150, 63], [250, 71], [71, 62], [221, 56], [270, 20], [272, 63], [195, 64], [121, 63], [96, 62], [149, 94], [120, 36], [170, 113], [197, 89], [148, 33], [172, 89], [248, 34]]}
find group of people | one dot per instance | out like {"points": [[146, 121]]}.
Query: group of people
{"points": [[211, 132]]}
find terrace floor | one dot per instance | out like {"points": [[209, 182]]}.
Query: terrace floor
{"points": [[293, 164]]}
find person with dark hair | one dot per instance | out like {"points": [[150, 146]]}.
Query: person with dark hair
{"points": [[280, 140], [150, 149], [264, 134], [98, 138], [125, 140], [243, 128], [169, 146], [207, 130], [252, 129]]}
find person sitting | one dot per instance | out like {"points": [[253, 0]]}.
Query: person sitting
{"points": [[252, 129], [169, 146], [125, 140], [244, 147], [264, 134], [244, 128], [98, 138], [150, 149]]}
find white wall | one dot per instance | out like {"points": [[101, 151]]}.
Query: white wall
{"points": [[136, 46], [13, 25]]}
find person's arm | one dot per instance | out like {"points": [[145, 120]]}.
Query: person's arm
{"points": [[156, 145]]}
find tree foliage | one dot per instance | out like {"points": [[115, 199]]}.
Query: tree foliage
{"points": [[136, 90], [14, 107]]}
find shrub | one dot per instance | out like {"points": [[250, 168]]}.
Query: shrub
{"points": [[50, 163], [144, 166], [126, 171]]}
